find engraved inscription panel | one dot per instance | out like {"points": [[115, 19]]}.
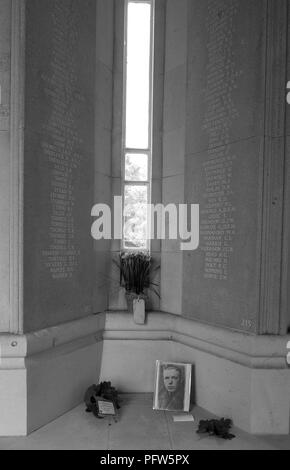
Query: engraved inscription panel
{"points": [[218, 213], [64, 152], [223, 160], [59, 159]]}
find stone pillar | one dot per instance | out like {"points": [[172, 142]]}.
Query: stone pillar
{"points": [[11, 127], [174, 146], [51, 156]]}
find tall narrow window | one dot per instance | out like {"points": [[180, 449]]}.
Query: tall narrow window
{"points": [[137, 123]]}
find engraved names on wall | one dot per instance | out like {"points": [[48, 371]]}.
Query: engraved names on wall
{"points": [[59, 265], [218, 212], [61, 147]]}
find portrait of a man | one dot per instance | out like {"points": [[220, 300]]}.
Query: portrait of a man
{"points": [[172, 391]]}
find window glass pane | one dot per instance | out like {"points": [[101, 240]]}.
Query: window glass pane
{"points": [[135, 216], [138, 75], [136, 167]]}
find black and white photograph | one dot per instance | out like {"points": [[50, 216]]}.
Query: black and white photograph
{"points": [[172, 386], [144, 227]]}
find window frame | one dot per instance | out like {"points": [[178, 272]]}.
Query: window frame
{"points": [[126, 150]]}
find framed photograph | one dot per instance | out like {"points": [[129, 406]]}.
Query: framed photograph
{"points": [[172, 386]]}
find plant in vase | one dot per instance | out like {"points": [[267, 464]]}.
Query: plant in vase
{"points": [[137, 277]]}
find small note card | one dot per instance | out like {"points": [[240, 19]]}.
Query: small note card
{"points": [[183, 418], [106, 408]]}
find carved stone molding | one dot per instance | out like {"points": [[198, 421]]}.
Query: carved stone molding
{"points": [[255, 352], [16, 162]]}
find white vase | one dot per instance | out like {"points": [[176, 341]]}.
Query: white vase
{"points": [[139, 311]]}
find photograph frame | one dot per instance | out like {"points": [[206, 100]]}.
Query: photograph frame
{"points": [[172, 390]]}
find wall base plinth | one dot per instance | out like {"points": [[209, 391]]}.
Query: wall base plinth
{"points": [[236, 375], [45, 374]]}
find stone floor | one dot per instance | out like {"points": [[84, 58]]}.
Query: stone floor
{"points": [[138, 428]]}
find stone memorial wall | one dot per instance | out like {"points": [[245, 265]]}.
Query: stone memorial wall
{"points": [[59, 263], [224, 140]]}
